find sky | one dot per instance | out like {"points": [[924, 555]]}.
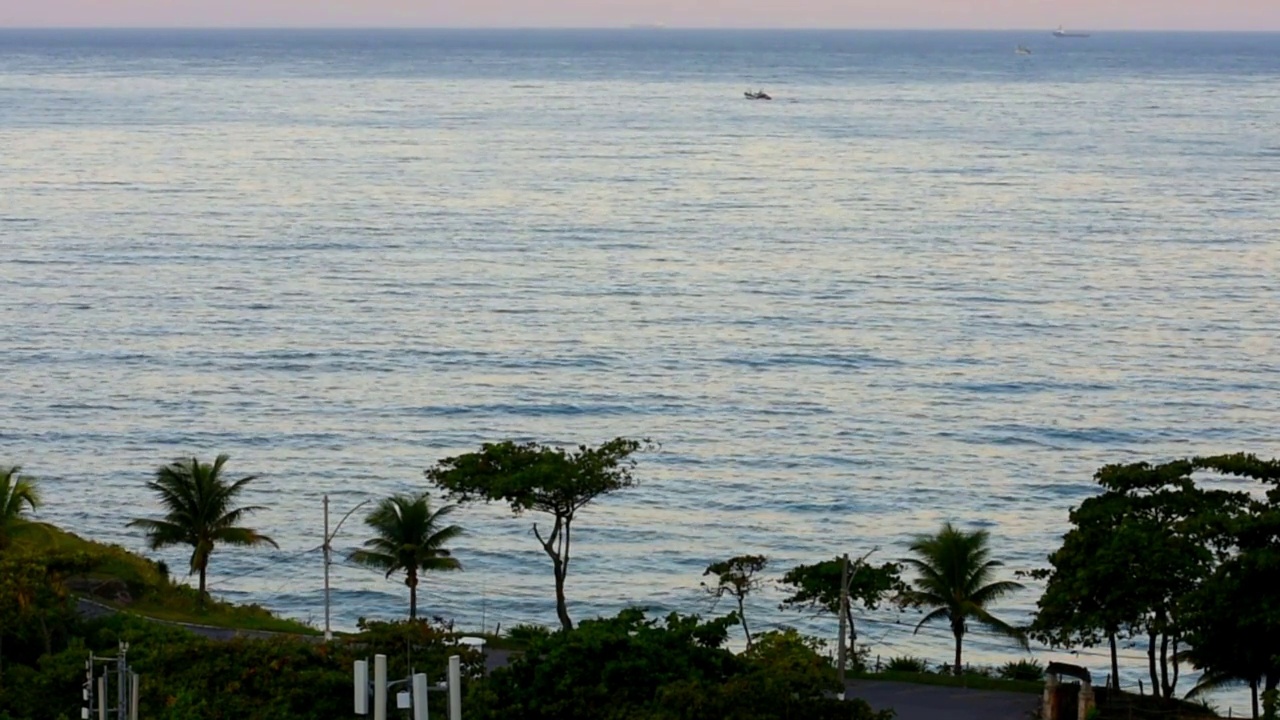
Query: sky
{"points": [[978, 14]]}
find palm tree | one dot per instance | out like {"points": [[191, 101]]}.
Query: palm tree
{"points": [[956, 579], [410, 538], [15, 492], [200, 512]]}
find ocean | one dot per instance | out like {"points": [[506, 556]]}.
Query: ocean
{"points": [[931, 280]]}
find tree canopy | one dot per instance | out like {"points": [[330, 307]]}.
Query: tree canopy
{"points": [[676, 668], [1133, 557], [200, 511], [409, 538], [1232, 618], [541, 478], [18, 495], [955, 578], [816, 587], [738, 578]]}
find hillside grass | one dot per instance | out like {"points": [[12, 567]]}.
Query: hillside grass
{"points": [[153, 593]]}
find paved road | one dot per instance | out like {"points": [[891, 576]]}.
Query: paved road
{"points": [[932, 702]]}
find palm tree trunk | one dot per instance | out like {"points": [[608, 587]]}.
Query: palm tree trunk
{"points": [[1253, 690], [202, 569], [411, 579], [958, 630]]}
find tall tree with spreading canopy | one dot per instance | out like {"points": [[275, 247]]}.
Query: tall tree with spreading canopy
{"points": [[18, 495], [737, 577], [817, 588], [199, 511], [1087, 598], [955, 576], [1135, 555], [1232, 619], [1169, 537], [541, 478], [411, 539]]}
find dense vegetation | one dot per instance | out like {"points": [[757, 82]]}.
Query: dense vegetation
{"points": [[1161, 554], [1189, 568], [676, 669]]}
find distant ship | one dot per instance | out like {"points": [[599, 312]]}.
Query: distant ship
{"points": [[1064, 34], [1022, 50]]}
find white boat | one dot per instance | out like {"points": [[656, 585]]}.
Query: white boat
{"points": [[1060, 32], [1023, 50]]}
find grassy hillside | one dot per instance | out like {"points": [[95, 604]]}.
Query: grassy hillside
{"points": [[132, 583]]}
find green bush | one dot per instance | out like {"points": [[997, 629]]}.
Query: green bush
{"points": [[527, 633], [633, 668], [908, 664], [1022, 670]]}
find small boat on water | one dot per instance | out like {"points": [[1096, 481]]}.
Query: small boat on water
{"points": [[757, 95], [1061, 33], [1022, 50]]}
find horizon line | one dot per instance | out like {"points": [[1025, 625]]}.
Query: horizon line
{"points": [[634, 27]]}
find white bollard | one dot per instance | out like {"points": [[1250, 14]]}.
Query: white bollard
{"points": [[361, 678], [455, 687], [420, 696], [379, 687]]}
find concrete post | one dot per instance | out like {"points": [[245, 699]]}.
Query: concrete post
{"points": [[379, 687], [1050, 709], [1087, 701], [455, 687]]}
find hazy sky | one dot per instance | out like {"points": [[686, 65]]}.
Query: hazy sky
{"points": [[1084, 14]]}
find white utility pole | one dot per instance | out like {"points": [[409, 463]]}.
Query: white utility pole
{"points": [[846, 581], [844, 611], [328, 633], [328, 560]]}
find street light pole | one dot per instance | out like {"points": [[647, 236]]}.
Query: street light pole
{"points": [[328, 633], [844, 612], [328, 551], [846, 581]]}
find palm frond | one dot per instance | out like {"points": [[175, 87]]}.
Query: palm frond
{"points": [[936, 614], [243, 537], [376, 560], [408, 536], [955, 576], [17, 490], [999, 626], [162, 533], [198, 509], [994, 591]]}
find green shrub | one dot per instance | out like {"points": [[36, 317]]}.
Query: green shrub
{"points": [[633, 668], [1022, 670], [907, 663], [527, 633]]}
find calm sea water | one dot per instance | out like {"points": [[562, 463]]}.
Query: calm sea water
{"points": [[931, 280]]}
